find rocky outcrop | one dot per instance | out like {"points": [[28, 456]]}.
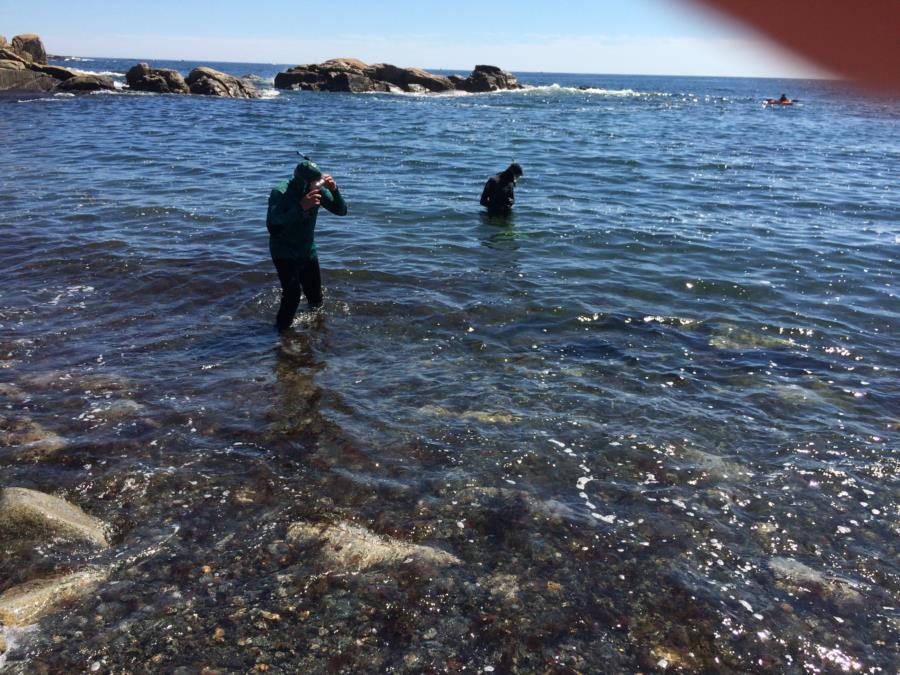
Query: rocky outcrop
{"points": [[16, 76], [347, 75], [409, 79], [488, 78], [30, 48], [19, 71], [28, 602], [352, 75], [212, 82], [350, 547], [142, 77], [25, 512]]}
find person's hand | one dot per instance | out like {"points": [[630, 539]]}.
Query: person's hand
{"points": [[311, 199], [329, 182]]}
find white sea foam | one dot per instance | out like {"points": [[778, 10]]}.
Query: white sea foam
{"points": [[597, 91], [56, 98], [106, 73]]}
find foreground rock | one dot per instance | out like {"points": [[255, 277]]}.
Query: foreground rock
{"points": [[158, 80], [352, 75], [28, 602], [25, 512], [212, 82], [356, 548]]}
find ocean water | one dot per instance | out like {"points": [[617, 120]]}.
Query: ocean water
{"points": [[654, 414]]}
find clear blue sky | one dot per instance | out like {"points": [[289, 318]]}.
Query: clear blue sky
{"points": [[600, 36]]}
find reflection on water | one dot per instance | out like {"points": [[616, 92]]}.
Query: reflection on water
{"points": [[498, 232]]}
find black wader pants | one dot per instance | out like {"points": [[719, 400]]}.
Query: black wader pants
{"points": [[295, 275]]}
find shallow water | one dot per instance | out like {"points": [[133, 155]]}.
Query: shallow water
{"points": [[655, 413]]}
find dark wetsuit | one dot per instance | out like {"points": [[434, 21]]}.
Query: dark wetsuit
{"points": [[498, 196], [293, 247]]}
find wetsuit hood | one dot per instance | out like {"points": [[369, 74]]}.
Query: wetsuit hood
{"points": [[307, 171]]}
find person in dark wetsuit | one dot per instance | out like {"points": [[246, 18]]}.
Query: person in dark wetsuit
{"points": [[498, 194], [291, 221]]}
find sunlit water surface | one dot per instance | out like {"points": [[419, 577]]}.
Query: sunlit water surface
{"points": [[655, 413]]}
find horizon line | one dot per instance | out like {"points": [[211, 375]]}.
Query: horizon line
{"points": [[823, 78]]}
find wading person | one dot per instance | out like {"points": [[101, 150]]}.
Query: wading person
{"points": [[291, 221], [498, 195]]}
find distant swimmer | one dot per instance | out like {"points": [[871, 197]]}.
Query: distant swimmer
{"points": [[498, 194], [291, 221]]}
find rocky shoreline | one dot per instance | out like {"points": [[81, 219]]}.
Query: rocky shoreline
{"points": [[24, 68]]}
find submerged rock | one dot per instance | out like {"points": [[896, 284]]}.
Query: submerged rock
{"points": [[794, 574], [730, 337], [27, 512], [26, 435], [551, 509], [28, 602], [356, 548], [211, 82]]}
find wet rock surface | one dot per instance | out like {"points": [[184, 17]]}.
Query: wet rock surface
{"points": [[351, 547], [25, 512], [25, 604]]}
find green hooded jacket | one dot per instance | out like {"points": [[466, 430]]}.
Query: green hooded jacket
{"points": [[291, 229]]}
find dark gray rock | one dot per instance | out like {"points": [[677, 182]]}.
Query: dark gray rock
{"points": [[488, 78], [296, 77], [87, 83], [29, 47], [352, 82], [142, 77], [211, 82]]}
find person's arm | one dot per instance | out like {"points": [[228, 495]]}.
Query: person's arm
{"points": [[487, 195], [332, 199]]}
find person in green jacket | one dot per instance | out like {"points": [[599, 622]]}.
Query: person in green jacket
{"points": [[291, 221]]}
